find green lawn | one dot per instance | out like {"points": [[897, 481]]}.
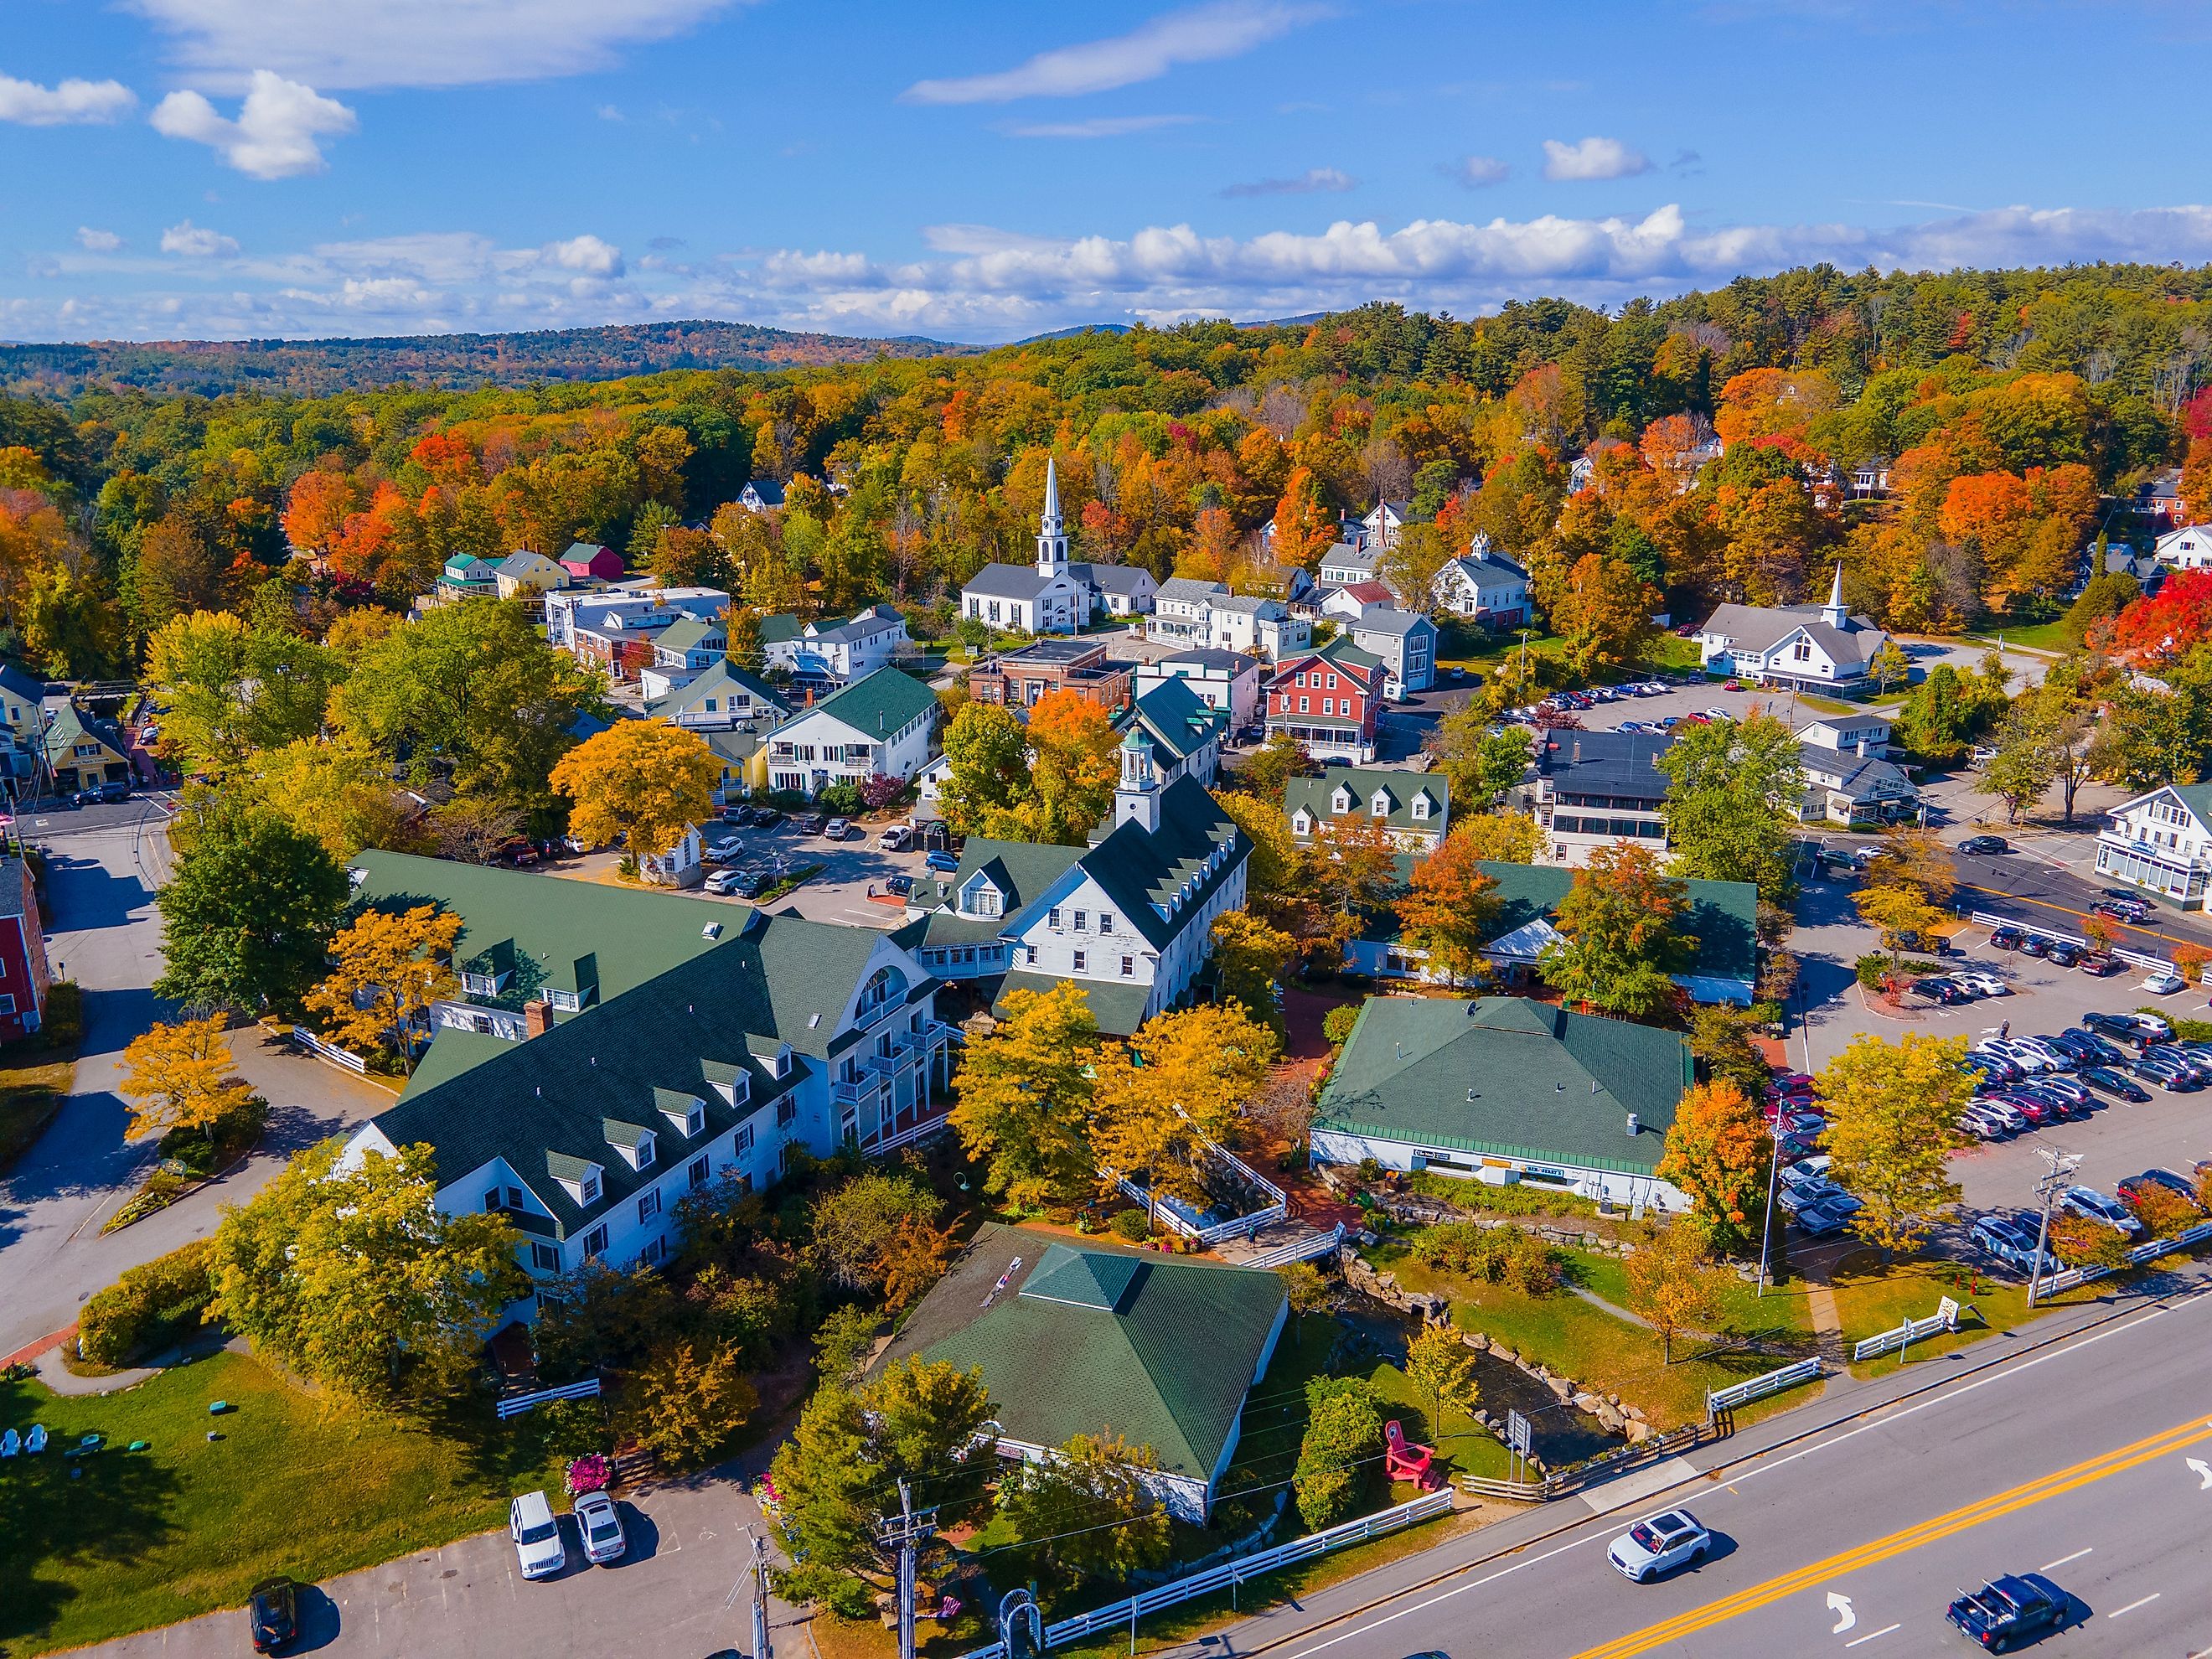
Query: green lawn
{"points": [[34, 1077], [1577, 1340], [142, 1539], [1871, 1299], [2032, 636]]}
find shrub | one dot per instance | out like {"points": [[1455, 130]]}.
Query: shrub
{"points": [[1132, 1225], [840, 799], [2163, 1213], [1874, 972], [63, 1027], [149, 1307], [2081, 1242], [1495, 1255], [882, 790], [1336, 1025], [1370, 1169], [1344, 1429]]}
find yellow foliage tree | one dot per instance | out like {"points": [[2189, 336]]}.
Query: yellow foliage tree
{"points": [[640, 778], [178, 1077], [340, 794], [1177, 1088], [387, 971]]}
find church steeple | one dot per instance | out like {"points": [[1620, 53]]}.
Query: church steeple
{"points": [[1052, 536], [1836, 613]]}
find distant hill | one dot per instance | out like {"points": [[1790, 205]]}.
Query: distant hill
{"points": [[314, 367]]}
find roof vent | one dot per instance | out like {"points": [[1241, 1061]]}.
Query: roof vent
{"points": [[1474, 1094], [1634, 1128], [813, 1020], [712, 930]]}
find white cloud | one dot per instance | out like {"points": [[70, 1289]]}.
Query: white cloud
{"points": [[197, 242], [414, 43], [1099, 126], [97, 241], [1203, 34], [981, 283], [1593, 158], [71, 103], [274, 135], [587, 254], [1312, 181], [1479, 172]]}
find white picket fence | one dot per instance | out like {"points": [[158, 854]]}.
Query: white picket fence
{"points": [[1304, 1250], [2051, 1284], [1246, 1225], [1945, 1318], [522, 1402], [2139, 958], [1757, 1388], [329, 1051], [1242, 1570]]}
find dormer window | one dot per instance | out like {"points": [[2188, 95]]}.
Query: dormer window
{"points": [[1420, 806], [1380, 807], [591, 1187], [644, 1153], [1340, 802]]}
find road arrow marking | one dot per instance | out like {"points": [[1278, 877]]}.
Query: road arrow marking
{"points": [[1840, 1605], [2202, 1470]]}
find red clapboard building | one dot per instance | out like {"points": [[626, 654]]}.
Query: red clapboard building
{"points": [[1329, 700], [23, 975]]}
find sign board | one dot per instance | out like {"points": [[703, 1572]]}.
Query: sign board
{"points": [[1948, 1311], [1516, 1432]]}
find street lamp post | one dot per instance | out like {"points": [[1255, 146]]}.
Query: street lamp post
{"points": [[1766, 1221]]}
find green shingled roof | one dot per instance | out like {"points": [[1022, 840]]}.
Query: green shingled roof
{"points": [[1117, 1005], [1317, 795], [549, 931], [685, 632], [1722, 919], [1507, 1077], [1020, 870], [879, 705], [588, 1084], [1175, 717], [1166, 1363]]}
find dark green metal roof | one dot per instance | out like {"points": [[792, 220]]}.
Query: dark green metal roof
{"points": [[1315, 795], [1165, 1363], [1510, 1077]]}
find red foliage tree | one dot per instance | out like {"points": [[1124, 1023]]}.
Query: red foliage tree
{"points": [[2165, 625]]}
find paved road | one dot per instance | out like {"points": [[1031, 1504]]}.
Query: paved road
{"points": [[104, 864], [2028, 885], [2076, 1456]]}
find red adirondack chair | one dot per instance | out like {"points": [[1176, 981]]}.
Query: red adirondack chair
{"points": [[1404, 1460]]}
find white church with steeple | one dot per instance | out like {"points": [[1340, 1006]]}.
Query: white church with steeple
{"points": [[1053, 595], [1810, 648]]}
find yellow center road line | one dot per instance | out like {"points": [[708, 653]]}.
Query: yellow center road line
{"points": [[1998, 1504], [2068, 910]]}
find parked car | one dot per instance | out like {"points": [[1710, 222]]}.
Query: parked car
{"points": [[1817, 1165], [2101, 1052], [2062, 955], [939, 859], [896, 839], [838, 829], [2130, 1191], [1657, 1544], [2162, 982], [2034, 945], [811, 823], [725, 881], [2101, 964], [2004, 1238], [2133, 1028], [272, 1615], [1827, 1217], [1947, 991], [2123, 906], [1984, 1122], [1984, 983], [2006, 1611], [1985, 844], [2092, 1205], [2197, 1064], [537, 1534], [517, 850], [2174, 1080], [726, 852], [602, 1529], [2068, 1089], [2113, 1084], [2004, 938], [2044, 1049]]}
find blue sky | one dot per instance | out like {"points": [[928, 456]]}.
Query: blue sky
{"points": [[982, 171]]}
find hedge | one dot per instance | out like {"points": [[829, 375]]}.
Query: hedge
{"points": [[149, 1309]]}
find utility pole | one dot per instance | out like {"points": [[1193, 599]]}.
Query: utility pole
{"points": [[1766, 1221], [903, 1534], [2047, 1187], [761, 1648]]}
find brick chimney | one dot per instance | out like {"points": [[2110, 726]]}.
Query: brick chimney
{"points": [[536, 1018]]}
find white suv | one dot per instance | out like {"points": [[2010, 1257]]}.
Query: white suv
{"points": [[537, 1534]]}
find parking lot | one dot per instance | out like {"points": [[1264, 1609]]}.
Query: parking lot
{"points": [[851, 869]]}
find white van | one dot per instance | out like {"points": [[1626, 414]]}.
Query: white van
{"points": [[537, 1534]]}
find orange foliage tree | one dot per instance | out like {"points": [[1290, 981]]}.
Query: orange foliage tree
{"points": [[1303, 529]]}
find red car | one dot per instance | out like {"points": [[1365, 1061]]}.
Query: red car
{"points": [[1732, 685]]}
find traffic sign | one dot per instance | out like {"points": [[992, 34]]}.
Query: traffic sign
{"points": [[1516, 1432]]}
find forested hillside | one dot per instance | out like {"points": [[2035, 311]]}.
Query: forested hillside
{"points": [[2017, 407], [317, 367]]}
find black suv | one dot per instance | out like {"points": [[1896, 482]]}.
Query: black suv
{"points": [[2121, 908], [2010, 1609]]}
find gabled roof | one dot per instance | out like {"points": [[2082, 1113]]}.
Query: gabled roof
{"points": [[1261, 606], [1177, 717], [1388, 620], [1142, 869], [1214, 658], [71, 725], [1117, 1005], [1113, 578], [1317, 795], [1760, 628], [687, 634], [863, 625], [1191, 590], [1369, 593], [524, 563], [781, 630], [766, 491], [565, 1093], [17, 683], [879, 704], [1166, 1363], [1509, 1077], [2197, 797], [718, 680], [1339, 654], [1856, 775], [1007, 581], [1020, 870], [547, 932], [1351, 554]]}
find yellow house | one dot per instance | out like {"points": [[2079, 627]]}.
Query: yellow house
{"points": [[528, 575]]}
